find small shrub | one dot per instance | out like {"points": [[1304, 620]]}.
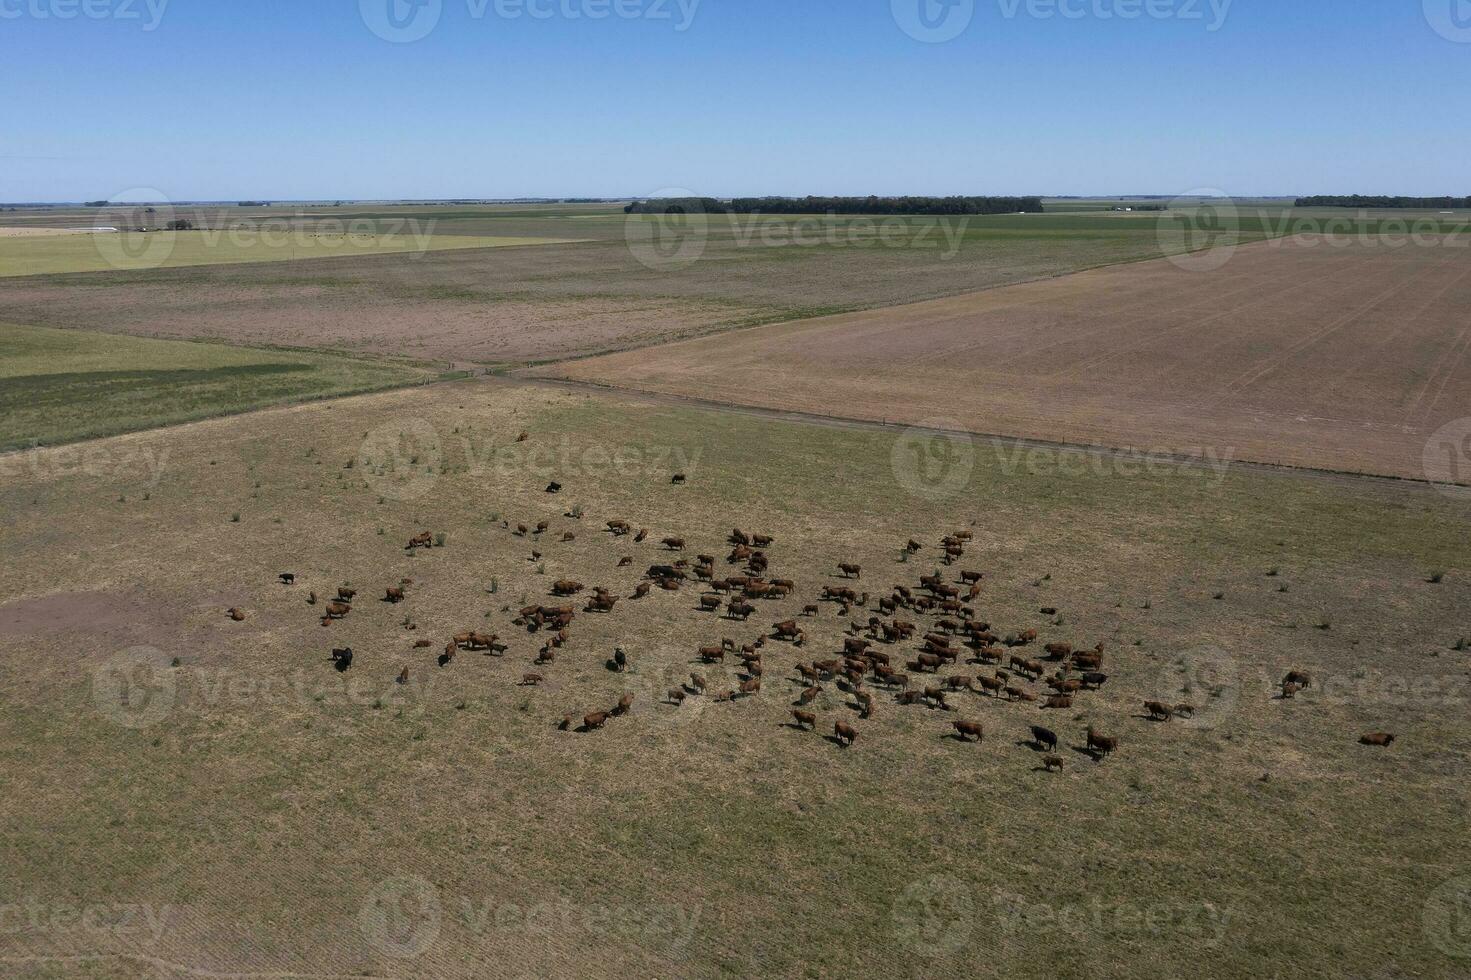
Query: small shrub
{"points": [[495, 585], [1464, 643], [1273, 572], [1437, 577], [235, 518], [440, 539]]}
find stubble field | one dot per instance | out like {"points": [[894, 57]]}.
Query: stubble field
{"points": [[1340, 356]]}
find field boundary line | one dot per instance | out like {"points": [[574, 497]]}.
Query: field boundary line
{"points": [[884, 425]]}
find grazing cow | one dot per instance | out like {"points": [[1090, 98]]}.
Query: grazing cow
{"points": [[752, 686], [678, 479], [625, 703], [739, 609], [640, 536], [554, 487], [566, 587], [845, 733], [568, 536], [523, 437], [674, 544], [1044, 737], [619, 528], [448, 656], [546, 656], [1017, 694], [1290, 689], [990, 685], [395, 594], [762, 540], [641, 590], [567, 722], [287, 578], [850, 570], [712, 654], [1376, 738], [1058, 651], [1101, 745], [1185, 709], [809, 610], [342, 659], [425, 540], [805, 718], [675, 696], [595, 720], [625, 561], [423, 645], [1158, 711], [786, 630], [1052, 762], [336, 610], [1301, 678], [531, 680], [698, 683], [346, 595], [403, 677], [966, 730], [737, 536], [1093, 680], [1060, 701], [235, 614]]}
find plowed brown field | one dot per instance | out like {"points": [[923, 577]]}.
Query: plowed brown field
{"points": [[1330, 356]]}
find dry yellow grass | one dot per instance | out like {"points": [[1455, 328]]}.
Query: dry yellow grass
{"points": [[277, 817]]}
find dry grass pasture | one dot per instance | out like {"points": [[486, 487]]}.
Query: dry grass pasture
{"points": [[1295, 351], [274, 817]]}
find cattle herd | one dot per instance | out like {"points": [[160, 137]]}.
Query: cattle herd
{"points": [[920, 646]]}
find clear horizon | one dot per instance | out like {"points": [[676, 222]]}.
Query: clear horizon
{"points": [[367, 100]]}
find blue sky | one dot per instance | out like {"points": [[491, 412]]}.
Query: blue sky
{"points": [[230, 99]]}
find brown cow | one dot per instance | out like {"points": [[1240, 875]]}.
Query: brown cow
{"points": [[698, 683], [1061, 701], [845, 733], [1298, 677], [1052, 762], [595, 720], [1158, 711], [235, 614], [675, 695], [850, 570], [752, 686], [966, 730], [1101, 745], [642, 590], [346, 594], [673, 544], [1376, 738], [806, 718], [990, 685], [1290, 689], [624, 704], [425, 540], [566, 587], [786, 630], [395, 595], [336, 610], [531, 680]]}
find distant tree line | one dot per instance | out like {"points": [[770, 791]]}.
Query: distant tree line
{"points": [[840, 205], [1374, 201]]}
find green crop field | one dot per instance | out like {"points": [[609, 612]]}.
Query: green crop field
{"points": [[63, 385], [33, 255]]}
